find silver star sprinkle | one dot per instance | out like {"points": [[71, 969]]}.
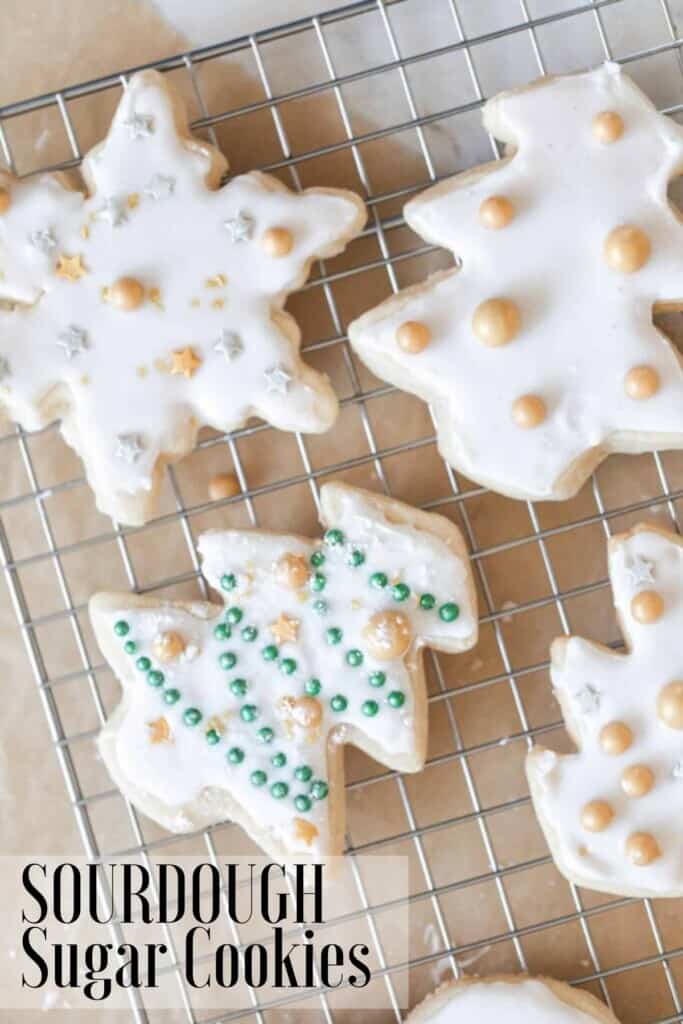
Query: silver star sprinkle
{"points": [[114, 211], [229, 345], [277, 379], [43, 240], [588, 699], [240, 228], [129, 447], [640, 571], [159, 186], [139, 126], [74, 341], [5, 370], [677, 771]]}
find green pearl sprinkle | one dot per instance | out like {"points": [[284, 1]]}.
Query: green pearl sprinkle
{"points": [[192, 716], [400, 592], [396, 698], [333, 635], [377, 679], [121, 628], [279, 790], [229, 581], [449, 612], [248, 712], [427, 602], [278, 760], [227, 660], [317, 559], [355, 558], [312, 687], [302, 803], [379, 580], [235, 755], [320, 607], [270, 652], [171, 696], [288, 666], [339, 703], [239, 687], [222, 631], [334, 537], [370, 708], [213, 737], [155, 678], [303, 773], [319, 789], [130, 647], [249, 634], [234, 615], [354, 657], [318, 581], [144, 664], [266, 734], [258, 778]]}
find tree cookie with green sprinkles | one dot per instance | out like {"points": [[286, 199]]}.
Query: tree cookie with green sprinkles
{"points": [[259, 695]]}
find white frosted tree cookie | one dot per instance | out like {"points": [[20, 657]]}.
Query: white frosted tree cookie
{"points": [[538, 353], [242, 711], [154, 305], [613, 812], [514, 999]]}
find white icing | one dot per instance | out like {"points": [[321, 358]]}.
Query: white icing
{"points": [[178, 773], [171, 236], [495, 1002], [629, 685], [584, 326]]}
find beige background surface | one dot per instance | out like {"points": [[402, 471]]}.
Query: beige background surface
{"points": [[474, 705]]}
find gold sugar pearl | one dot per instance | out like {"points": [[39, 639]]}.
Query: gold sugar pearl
{"points": [[223, 485], [5, 200], [647, 607], [168, 646], [277, 242], [608, 126], [413, 337], [637, 780], [670, 705], [496, 212], [641, 382], [642, 849], [627, 249], [292, 571], [596, 816], [126, 294], [388, 635], [496, 322], [615, 738], [529, 411]]}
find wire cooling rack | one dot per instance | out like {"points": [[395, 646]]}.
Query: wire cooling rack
{"points": [[504, 907]]}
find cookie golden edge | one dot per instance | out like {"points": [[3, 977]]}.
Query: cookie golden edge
{"points": [[191, 816], [578, 999], [558, 650]]}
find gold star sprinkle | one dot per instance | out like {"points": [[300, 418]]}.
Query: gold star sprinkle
{"points": [[218, 303], [217, 281], [159, 731], [185, 361], [70, 267], [194, 303], [85, 231], [133, 200], [154, 296], [285, 629]]}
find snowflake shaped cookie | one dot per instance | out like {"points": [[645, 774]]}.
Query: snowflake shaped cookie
{"points": [[154, 305], [243, 711], [538, 353], [613, 812]]}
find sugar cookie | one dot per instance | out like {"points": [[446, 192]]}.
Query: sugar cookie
{"points": [[243, 711]]}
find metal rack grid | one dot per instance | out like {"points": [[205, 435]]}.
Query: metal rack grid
{"points": [[666, 957]]}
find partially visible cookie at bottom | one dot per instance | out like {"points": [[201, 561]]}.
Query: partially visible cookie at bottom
{"points": [[515, 999]]}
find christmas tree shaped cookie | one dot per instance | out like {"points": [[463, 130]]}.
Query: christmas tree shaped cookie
{"points": [[242, 711], [538, 352], [613, 812], [154, 305]]}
